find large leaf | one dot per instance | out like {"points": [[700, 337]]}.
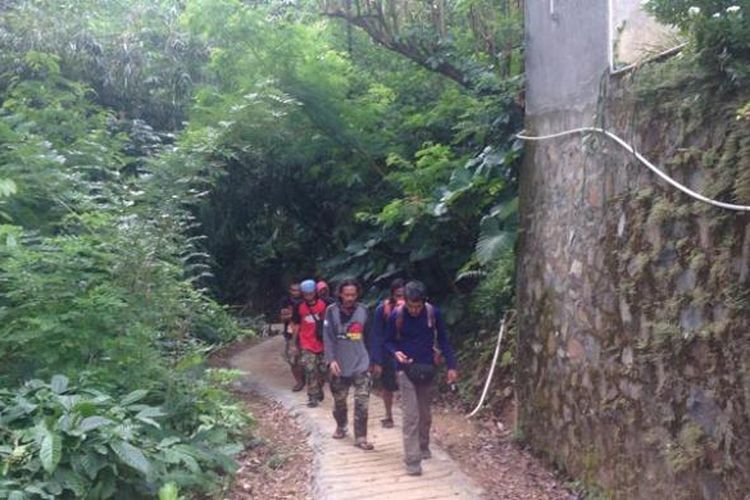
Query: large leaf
{"points": [[7, 188], [90, 423], [59, 384], [134, 397], [72, 481], [131, 456], [50, 450], [169, 491], [493, 241]]}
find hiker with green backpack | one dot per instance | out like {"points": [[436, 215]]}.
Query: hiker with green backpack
{"points": [[416, 337]]}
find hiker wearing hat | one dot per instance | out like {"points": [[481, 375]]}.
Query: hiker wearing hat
{"points": [[324, 293], [348, 361], [416, 337], [307, 321]]}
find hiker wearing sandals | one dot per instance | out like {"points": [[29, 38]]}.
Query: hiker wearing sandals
{"points": [[384, 366], [348, 361], [416, 336]]}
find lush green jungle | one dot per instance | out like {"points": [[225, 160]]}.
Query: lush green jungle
{"points": [[165, 163]]}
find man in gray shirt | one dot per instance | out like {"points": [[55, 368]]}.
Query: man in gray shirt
{"points": [[348, 361]]}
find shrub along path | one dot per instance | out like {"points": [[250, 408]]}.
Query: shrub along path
{"points": [[340, 470]]}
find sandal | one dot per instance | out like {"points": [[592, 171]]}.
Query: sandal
{"points": [[339, 434], [364, 445], [387, 423]]}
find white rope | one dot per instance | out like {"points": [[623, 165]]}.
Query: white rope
{"points": [[492, 368], [642, 159]]}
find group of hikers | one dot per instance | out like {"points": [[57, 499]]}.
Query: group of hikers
{"points": [[398, 346]]}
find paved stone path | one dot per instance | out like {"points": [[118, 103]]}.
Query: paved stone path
{"points": [[341, 471]]}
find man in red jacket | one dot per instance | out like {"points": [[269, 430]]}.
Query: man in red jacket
{"points": [[307, 327]]}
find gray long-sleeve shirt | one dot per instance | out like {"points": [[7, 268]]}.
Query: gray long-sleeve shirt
{"points": [[344, 339]]}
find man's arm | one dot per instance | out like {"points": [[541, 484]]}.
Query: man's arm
{"points": [[329, 336], [376, 323], [296, 320], [389, 342]]}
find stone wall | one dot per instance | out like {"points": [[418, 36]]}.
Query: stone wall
{"points": [[634, 311]]}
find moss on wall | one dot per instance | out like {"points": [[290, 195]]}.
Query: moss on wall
{"points": [[634, 325]]}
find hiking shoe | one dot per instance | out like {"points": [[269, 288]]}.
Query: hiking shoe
{"points": [[426, 454], [362, 444], [298, 386], [387, 423], [414, 469]]}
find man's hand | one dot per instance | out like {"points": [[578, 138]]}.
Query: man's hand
{"points": [[452, 376], [402, 358], [335, 369], [376, 370], [285, 314]]}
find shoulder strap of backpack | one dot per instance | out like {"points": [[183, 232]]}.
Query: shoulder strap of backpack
{"points": [[387, 309], [430, 317], [432, 324], [316, 312], [399, 321]]}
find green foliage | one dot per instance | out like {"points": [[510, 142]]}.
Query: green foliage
{"points": [[134, 55], [720, 30], [101, 275], [60, 441], [152, 153], [322, 133]]}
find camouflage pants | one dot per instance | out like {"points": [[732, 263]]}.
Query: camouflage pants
{"points": [[293, 360], [340, 390], [315, 373]]}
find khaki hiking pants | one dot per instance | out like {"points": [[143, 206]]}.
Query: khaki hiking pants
{"points": [[417, 417]]}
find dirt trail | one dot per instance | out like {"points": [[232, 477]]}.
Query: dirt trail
{"points": [[341, 471]]}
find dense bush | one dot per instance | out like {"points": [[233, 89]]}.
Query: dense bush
{"points": [[720, 30], [60, 441], [101, 277]]}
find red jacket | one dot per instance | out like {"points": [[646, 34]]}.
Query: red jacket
{"points": [[308, 317]]}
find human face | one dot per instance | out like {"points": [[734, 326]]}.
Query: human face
{"points": [[348, 296], [323, 293], [398, 294], [309, 297], [294, 291], [414, 307]]}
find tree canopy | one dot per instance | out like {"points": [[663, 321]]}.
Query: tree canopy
{"points": [[158, 158]]}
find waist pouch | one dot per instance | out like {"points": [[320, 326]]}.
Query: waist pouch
{"points": [[420, 373]]}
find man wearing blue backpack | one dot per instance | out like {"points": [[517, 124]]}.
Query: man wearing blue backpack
{"points": [[416, 337]]}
